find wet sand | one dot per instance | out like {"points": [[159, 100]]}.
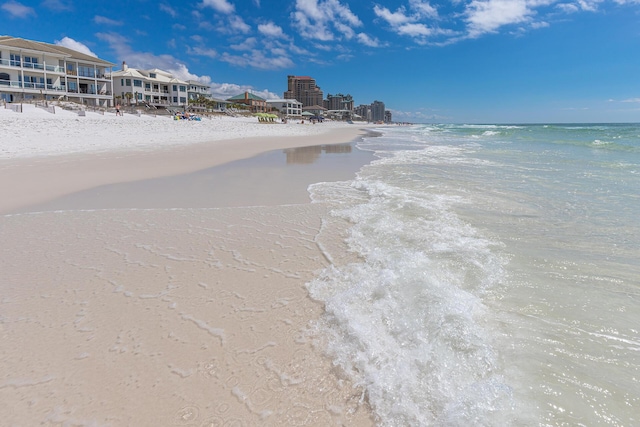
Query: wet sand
{"points": [[125, 303]]}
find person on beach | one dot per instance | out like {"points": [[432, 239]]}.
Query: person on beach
{"points": [[118, 113]]}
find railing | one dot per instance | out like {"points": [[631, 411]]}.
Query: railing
{"points": [[55, 68], [49, 87], [31, 65]]}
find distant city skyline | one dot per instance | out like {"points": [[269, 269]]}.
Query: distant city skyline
{"points": [[476, 61]]}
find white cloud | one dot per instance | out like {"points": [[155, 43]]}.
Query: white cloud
{"points": [[237, 24], [168, 9], [541, 24], [423, 8], [75, 45], [58, 5], [368, 41], [106, 21], [271, 30], [248, 44], [414, 30], [222, 6], [486, 16], [202, 51], [409, 24], [17, 10], [257, 58], [322, 19]]}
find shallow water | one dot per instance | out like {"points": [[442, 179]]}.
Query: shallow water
{"points": [[498, 281]]}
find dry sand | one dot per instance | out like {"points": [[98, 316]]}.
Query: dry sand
{"points": [[161, 317]]}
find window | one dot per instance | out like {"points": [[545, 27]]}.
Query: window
{"points": [[175, 99], [183, 100], [121, 82], [137, 83], [15, 60], [139, 96], [152, 75], [183, 89], [86, 71], [30, 62], [175, 88], [128, 82], [147, 86]]}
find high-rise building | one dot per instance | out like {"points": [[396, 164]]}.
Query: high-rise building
{"points": [[339, 102], [363, 111], [304, 89], [377, 111]]}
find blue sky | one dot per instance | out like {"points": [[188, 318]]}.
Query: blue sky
{"points": [[472, 61]]}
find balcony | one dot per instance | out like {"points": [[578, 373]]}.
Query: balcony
{"points": [[33, 66], [10, 63], [54, 69]]}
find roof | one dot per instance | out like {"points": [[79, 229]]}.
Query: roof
{"points": [[285, 100], [246, 95], [130, 72], [35, 46], [314, 107]]}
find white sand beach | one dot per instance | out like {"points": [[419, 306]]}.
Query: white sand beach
{"points": [[164, 314]]}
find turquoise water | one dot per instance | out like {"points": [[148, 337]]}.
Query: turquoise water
{"points": [[498, 275]]}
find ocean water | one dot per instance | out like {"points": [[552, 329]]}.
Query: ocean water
{"points": [[497, 276]]}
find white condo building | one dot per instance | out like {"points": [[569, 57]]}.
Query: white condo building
{"points": [[31, 70], [155, 87], [288, 107]]}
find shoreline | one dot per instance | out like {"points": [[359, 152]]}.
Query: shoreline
{"points": [[32, 181]]}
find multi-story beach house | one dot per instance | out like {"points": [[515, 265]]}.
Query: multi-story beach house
{"points": [[155, 88], [288, 107], [197, 90], [32, 70], [304, 89]]}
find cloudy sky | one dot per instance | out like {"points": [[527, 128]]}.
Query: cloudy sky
{"points": [[481, 61]]}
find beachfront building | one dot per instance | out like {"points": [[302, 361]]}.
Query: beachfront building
{"points": [[254, 103], [153, 88], [314, 110], [387, 116], [286, 107], [362, 112], [339, 102], [303, 89], [198, 90], [377, 111], [32, 70]]}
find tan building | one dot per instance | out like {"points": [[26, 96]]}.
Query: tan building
{"points": [[31, 70], [254, 102], [304, 89]]}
